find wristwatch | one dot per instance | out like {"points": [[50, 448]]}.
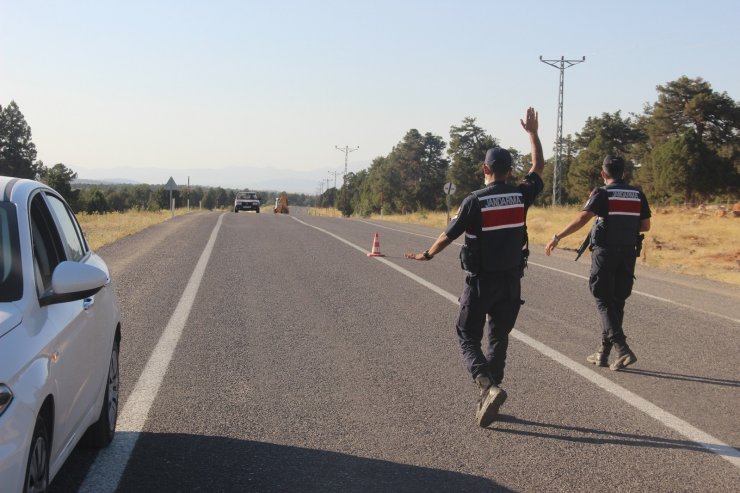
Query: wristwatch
{"points": [[426, 255], [555, 238]]}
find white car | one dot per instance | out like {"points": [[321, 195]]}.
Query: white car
{"points": [[60, 332], [247, 201]]}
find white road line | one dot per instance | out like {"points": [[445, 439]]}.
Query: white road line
{"points": [[669, 420], [400, 230], [106, 471], [647, 295], [579, 276]]}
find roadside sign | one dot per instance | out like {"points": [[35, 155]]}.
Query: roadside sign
{"points": [[171, 186]]}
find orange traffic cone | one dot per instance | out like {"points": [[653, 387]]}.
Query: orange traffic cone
{"points": [[375, 252]]}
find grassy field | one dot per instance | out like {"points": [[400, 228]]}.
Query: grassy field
{"points": [[697, 241], [101, 229]]}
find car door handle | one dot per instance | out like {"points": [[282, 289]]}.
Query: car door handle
{"points": [[88, 302]]}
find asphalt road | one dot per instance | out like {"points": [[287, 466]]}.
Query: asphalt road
{"points": [[299, 364]]}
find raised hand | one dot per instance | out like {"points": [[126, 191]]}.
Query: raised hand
{"points": [[531, 124]]}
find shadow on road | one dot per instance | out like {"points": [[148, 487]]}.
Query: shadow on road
{"points": [[685, 378], [581, 434], [177, 462]]}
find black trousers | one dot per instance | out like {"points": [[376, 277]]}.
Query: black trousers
{"points": [[612, 276], [497, 295]]}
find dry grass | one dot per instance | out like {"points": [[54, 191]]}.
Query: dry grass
{"points": [[101, 229], [697, 242], [323, 212]]}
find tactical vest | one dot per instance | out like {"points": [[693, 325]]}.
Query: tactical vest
{"points": [[621, 226], [501, 235]]}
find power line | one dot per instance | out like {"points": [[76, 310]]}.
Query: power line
{"points": [[557, 177], [335, 173], [346, 150]]}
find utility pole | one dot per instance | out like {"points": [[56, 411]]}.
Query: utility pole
{"points": [[335, 173], [557, 177], [346, 150]]}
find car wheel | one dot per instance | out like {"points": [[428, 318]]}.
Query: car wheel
{"points": [[258, 211], [236, 210], [100, 433], [37, 469]]}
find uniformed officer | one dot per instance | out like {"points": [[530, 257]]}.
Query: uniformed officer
{"points": [[623, 213], [494, 254]]}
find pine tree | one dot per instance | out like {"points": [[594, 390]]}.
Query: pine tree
{"points": [[17, 151], [468, 146], [607, 134], [694, 142], [60, 178]]}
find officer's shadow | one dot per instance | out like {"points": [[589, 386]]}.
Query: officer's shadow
{"points": [[580, 434], [684, 378]]}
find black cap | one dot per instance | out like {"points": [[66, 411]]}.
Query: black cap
{"points": [[610, 160], [614, 166], [498, 159]]}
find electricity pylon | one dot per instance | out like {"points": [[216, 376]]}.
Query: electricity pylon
{"points": [[335, 173], [346, 150], [557, 178]]}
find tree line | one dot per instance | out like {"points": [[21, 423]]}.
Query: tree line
{"points": [[684, 147], [102, 198], [18, 159]]}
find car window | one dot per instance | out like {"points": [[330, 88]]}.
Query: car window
{"points": [[47, 246], [11, 279], [69, 231]]}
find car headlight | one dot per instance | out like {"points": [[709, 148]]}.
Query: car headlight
{"points": [[6, 396]]}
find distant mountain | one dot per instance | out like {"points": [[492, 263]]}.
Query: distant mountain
{"points": [[288, 180], [107, 181]]}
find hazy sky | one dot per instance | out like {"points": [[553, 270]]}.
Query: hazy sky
{"points": [[184, 84]]}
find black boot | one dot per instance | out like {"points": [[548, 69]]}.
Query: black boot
{"points": [[601, 356], [625, 356], [491, 398]]}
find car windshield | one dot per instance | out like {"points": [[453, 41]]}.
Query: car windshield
{"points": [[252, 196], [11, 285]]}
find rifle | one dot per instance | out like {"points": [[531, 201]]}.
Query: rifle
{"points": [[586, 242], [638, 246]]}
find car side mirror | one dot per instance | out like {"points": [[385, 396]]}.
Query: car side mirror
{"points": [[72, 281]]}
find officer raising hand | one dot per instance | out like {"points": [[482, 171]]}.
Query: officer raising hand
{"points": [[493, 220]]}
